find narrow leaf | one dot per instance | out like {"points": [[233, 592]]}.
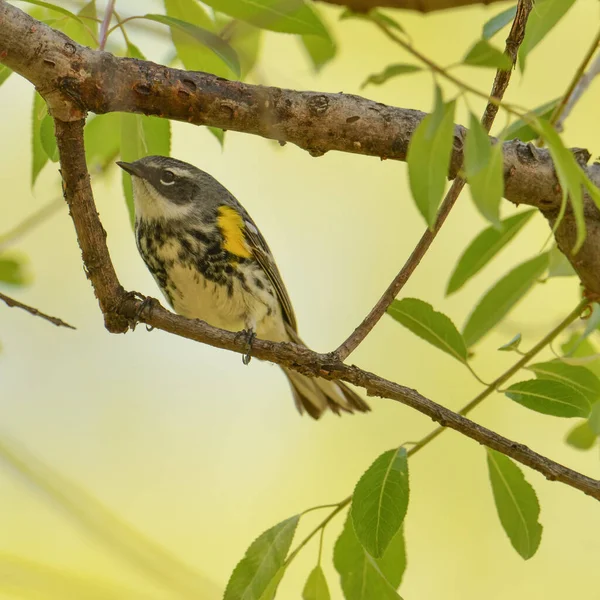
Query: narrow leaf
{"points": [[522, 130], [219, 134], [594, 420], [544, 17], [484, 167], [428, 158], [102, 140], [48, 139], [221, 48], [59, 9], [516, 503], [13, 270], [374, 16], [321, 49], [512, 345], [390, 72], [434, 327], [4, 73], [362, 577], [502, 297], [559, 266], [316, 586], [262, 562], [483, 54], [84, 31], [495, 24], [286, 16], [38, 155], [380, 501], [484, 247], [550, 397], [579, 378], [581, 436]]}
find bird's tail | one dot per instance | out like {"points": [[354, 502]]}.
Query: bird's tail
{"points": [[316, 395]]}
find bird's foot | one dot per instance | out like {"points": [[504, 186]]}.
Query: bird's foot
{"points": [[249, 336]]}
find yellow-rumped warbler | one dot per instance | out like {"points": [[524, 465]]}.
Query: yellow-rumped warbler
{"points": [[212, 263]]}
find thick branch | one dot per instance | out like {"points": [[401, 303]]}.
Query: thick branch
{"points": [[74, 79]]}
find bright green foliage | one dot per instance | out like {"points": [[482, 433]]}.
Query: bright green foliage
{"points": [[582, 436], [47, 138], [13, 270], [579, 378], [316, 586], [262, 563], [83, 31], [4, 73], [364, 577], [483, 54], [221, 48], [512, 345], [293, 16], [380, 501], [102, 140], [545, 15], [502, 297], [428, 158], [434, 327], [320, 49], [550, 397], [390, 72], [484, 247], [516, 503], [484, 167], [495, 24], [38, 155], [54, 7], [522, 129]]}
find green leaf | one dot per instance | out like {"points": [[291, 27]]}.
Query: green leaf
{"points": [[13, 270], [512, 345], [262, 562], [374, 16], [4, 73], [550, 397], [579, 378], [522, 130], [483, 54], [434, 327], [581, 436], [380, 501], [134, 52], [559, 266], [570, 176], [393, 563], [102, 140], [285, 16], [484, 247], [545, 15], [222, 49], [38, 155], [83, 31], [516, 503], [502, 297], [219, 135], [484, 167], [495, 24], [59, 9], [594, 420], [48, 139], [320, 49], [362, 577], [316, 586], [389, 72], [142, 136], [428, 158]]}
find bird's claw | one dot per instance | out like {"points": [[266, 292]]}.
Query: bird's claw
{"points": [[250, 336], [146, 305]]}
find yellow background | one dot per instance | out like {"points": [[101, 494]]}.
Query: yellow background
{"points": [[201, 454]]}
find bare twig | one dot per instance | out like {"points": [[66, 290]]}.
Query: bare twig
{"points": [[501, 82], [30, 222], [33, 311], [580, 83], [104, 28]]}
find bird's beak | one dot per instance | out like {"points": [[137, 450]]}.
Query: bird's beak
{"points": [[131, 168]]}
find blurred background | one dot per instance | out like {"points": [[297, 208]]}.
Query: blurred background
{"points": [[143, 465]]}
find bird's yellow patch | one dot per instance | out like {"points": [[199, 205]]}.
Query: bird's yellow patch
{"points": [[232, 227]]}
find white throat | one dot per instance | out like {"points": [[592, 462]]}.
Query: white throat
{"points": [[149, 204]]}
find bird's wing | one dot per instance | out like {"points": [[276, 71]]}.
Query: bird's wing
{"points": [[261, 252]]}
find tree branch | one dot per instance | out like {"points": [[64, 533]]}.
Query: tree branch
{"points": [[423, 6], [74, 79], [501, 81], [33, 311]]}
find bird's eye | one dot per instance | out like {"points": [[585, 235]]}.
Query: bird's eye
{"points": [[168, 177]]}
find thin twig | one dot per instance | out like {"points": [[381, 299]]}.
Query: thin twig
{"points": [[104, 28], [30, 222], [578, 86], [501, 82], [34, 311]]}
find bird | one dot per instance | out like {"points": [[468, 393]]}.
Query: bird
{"points": [[212, 263]]}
